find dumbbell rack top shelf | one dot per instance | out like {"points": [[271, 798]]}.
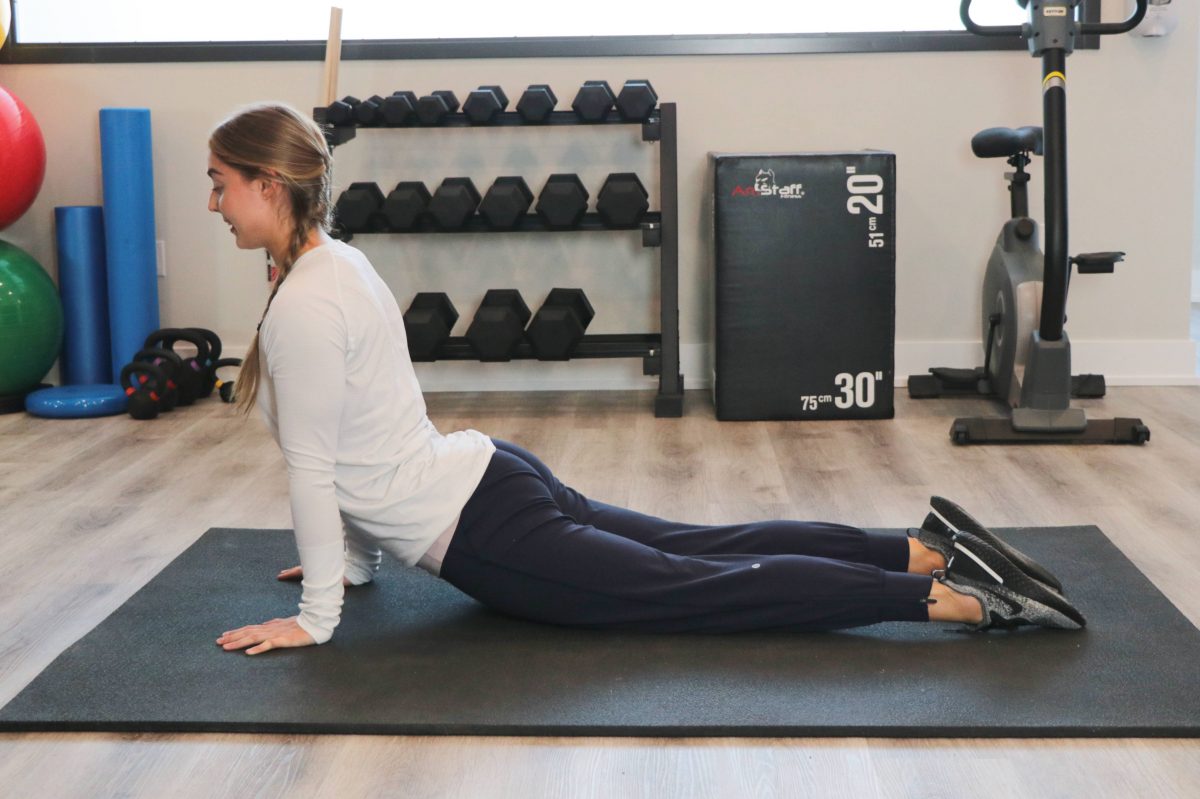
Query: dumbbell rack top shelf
{"points": [[659, 351], [651, 127]]}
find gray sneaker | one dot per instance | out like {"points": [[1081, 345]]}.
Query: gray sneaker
{"points": [[1009, 596], [1007, 609], [940, 527]]}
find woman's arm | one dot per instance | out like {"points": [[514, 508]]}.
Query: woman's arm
{"points": [[363, 555], [304, 343]]}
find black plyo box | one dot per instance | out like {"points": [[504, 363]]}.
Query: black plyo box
{"points": [[804, 255]]}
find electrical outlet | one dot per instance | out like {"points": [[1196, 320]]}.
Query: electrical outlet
{"points": [[162, 258]]}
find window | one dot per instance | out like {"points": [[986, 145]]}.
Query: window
{"points": [[88, 21], [185, 30]]}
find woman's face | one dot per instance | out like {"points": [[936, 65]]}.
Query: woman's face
{"points": [[250, 207]]}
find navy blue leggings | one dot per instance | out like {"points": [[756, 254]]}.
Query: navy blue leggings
{"points": [[529, 546]]}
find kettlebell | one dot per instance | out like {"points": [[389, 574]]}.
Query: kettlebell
{"points": [[191, 376], [214, 355], [171, 364], [145, 396], [227, 389]]}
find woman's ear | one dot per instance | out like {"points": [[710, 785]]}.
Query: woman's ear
{"points": [[275, 194], [269, 184]]}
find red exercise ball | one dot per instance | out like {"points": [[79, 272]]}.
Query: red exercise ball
{"points": [[22, 158]]}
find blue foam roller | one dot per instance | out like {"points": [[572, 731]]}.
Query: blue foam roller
{"points": [[77, 402], [83, 284], [125, 155]]}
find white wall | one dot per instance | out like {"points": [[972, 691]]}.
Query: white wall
{"points": [[1133, 141], [1196, 226]]}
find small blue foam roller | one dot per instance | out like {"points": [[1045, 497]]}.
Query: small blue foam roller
{"points": [[77, 402]]}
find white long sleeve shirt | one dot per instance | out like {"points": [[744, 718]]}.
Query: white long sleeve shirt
{"points": [[366, 467]]}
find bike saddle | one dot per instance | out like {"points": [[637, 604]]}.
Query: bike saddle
{"points": [[1007, 142]]}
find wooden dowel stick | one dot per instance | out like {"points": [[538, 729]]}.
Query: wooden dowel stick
{"points": [[333, 55]]}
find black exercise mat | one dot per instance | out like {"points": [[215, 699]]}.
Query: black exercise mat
{"points": [[415, 656]]}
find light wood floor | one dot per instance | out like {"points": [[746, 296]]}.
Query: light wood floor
{"points": [[90, 510]]}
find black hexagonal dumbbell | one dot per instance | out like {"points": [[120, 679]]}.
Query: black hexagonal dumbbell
{"points": [[623, 200], [559, 324], [594, 101], [433, 109], [427, 324], [483, 105], [536, 103], [399, 109], [506, 203], [341, 112], [454, 203], [357, 206], [368, 112], [636, 101], [563, 201], [499, 325], [405, 205]]}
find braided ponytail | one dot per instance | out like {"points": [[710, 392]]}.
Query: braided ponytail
{"points": [[275, 142]]}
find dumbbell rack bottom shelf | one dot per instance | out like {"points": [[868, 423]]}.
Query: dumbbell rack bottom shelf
{"points": [[616, 345], [647, 346]]}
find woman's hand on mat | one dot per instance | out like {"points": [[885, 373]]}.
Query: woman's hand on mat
{"points": [[297, 573], [274, 634]]}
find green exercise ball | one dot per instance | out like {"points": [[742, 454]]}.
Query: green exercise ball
{"points": [[31, 321]]}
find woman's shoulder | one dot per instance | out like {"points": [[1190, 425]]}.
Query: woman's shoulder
{"points": [[321, 267], [308, 287], [321, 257], [318, 280]]}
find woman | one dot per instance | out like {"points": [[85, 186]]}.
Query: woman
{"points": [[367, 470]]}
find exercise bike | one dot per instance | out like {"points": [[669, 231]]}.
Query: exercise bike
{"points": [[1027, 355]]}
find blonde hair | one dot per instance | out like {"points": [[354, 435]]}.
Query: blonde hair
{"points": [[274, 142]]}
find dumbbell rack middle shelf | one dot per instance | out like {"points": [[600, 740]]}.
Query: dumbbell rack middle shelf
{"points": [[659, 351], [650, 225]]}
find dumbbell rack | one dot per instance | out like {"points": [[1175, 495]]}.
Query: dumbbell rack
{"points": [[659, 351]]}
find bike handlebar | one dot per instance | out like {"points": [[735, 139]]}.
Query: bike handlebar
{"points": [[964, 11], [1104, 28], [1085, 28]]}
